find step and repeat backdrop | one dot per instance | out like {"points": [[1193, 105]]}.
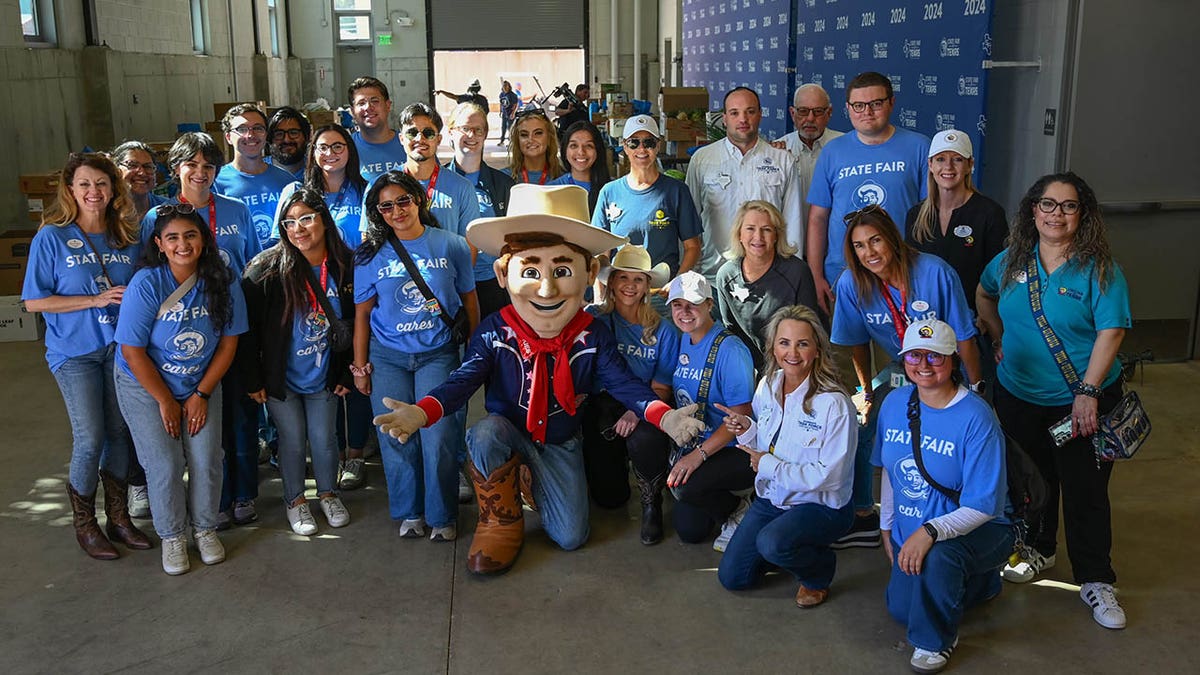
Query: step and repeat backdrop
{"points": [[934, 53]]}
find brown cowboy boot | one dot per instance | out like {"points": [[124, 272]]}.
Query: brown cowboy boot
{"points": [[501, 529], [87, 530], [116, 508], [652, 500], [525, 482]]}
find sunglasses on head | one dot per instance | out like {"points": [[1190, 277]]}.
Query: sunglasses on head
{"points": [[647, 143], [872, 209], [402, 202], [180, 209], [531, 112], [413, 132]]}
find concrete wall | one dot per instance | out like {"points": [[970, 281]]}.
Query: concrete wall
{"points": [[600, 31]]}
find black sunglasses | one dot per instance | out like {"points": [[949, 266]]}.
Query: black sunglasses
{"points": [[402, 202], [531, 112], [871, 209], [647, 143], [413, 132], [180, 209]]}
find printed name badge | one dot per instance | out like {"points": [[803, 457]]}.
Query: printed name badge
{"points": [[432, 306], [920, 306], [74, 243], [963, 231], [899, 380]]}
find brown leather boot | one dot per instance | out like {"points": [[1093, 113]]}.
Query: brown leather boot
{"points": [[652, 500], [501, 529], [116, 508], [525, 479], [87, 530]]}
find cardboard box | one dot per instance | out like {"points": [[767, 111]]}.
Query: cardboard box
{"points": [[18, 325], [616, 97], [616, 126], [14, 258], [38, 203], [219, 109], [320, 118], [674, 99], [40, 183], [680, 148], [619, 109]]}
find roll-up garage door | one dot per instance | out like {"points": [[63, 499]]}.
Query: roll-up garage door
{"points": [[507, 24]]}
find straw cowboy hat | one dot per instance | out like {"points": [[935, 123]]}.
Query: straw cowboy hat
{"points": [[560, 209], [634, 258]]}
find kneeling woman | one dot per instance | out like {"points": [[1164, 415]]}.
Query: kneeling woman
{"points": [[942, 501], [804, 477], [714, 368], [180, 318], [287, 360]]}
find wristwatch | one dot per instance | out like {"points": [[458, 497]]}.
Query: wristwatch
{"points": [[979, 387], [931, 530]]}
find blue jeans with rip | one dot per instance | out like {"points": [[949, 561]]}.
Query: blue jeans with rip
{"points": [[957, 574], [172, 503], [100, 438], [559, 480], [796, 539], [306, 422], [422, 473]]}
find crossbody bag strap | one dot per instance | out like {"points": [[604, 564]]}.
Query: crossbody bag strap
{"points": [[320, 293], [419, 280], [914, 431], [710, 364], [99, 258], [1033, 284], [176, 296]]}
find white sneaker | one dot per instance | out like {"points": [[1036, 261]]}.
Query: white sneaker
{"points": [[413, 529], [139, 501], [354, 472], [211, 549], [731, 525], [301, 519], [447, 533], [335, 512], [175, 556], [925, 661], [1027, 569], [465, 490], [1103, 600]]}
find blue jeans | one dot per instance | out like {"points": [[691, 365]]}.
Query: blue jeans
{"points": [[239, 438], [306, 421], [353, 420], [166, 458], [796, 539], [422, 474], [100, 437], [957, 574], [559, 480], [863, 496]]}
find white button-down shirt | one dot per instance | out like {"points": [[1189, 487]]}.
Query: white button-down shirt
{"points": [[806, 161], [721, 179]]}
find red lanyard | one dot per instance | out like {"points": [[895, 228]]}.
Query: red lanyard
{"points": [[316, 304], [432, 180], [212, 212], [541, 181], [899, 319]]}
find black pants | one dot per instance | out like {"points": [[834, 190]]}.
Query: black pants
{"points": [[491, 297], [604, 459], [707, 499], [1070, 471]]}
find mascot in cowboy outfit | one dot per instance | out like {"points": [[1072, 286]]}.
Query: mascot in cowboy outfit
{"points": [[539, 357]]}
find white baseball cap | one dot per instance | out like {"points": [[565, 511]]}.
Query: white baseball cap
{"points": [[690, 286], [640, 123], [951, 139], [931, 335]]}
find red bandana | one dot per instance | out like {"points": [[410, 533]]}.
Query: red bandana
{"points": [[536, 348]]}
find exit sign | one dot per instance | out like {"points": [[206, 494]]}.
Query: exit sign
{"points": [[385, 39]]}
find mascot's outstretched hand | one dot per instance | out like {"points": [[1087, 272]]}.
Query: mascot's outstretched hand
{"points": [[679, 424], [402, 422]]}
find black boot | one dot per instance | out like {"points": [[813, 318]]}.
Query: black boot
{"points": [[652, 498]]}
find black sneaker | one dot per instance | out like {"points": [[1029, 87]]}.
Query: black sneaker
{"points": [[864, 533]]}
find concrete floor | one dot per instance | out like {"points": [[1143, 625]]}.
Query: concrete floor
{"points": [[361, 600]]}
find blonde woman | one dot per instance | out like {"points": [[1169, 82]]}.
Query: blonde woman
{"points": [[534, 156]]}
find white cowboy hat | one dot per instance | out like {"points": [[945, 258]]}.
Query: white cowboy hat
{"points": [[634, 258], [558, 209]]}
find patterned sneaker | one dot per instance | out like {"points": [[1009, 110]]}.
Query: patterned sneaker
{"points": [[301, 519], [1105, 609], [863, 534], [354, 473], [1028, 568], [924, 661], [244, 512], [139, 501], [412, 529], [175, 556], [447, 533], [335, 512], [730, 526], [211, 549]]}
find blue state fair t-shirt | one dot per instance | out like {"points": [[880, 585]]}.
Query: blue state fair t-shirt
{"points": [[850, 175], [61, 262], [345, 206], [962, 448], [453, 202], [308, 362], [732, 380], [534, 177], [568, 179], [483, 261], [259, 192], [935, 293], [182, 342], [236, 239], [402, 318], [376, 159], [658, 218], [649, 362], [1076, 307]]}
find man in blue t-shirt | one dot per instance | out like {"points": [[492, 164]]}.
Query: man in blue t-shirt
{"points": [[452, 198], [248, 177], [288, 131], [877, 163], [379, 147]]}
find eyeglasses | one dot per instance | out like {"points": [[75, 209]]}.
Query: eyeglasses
{"points": [[412, 132], [130, 165], [402, 202], [246, 130], [914, 358], [294, 134], [815, 112], [1069, 207], [180, 209], [306, 221], [647, 143], [471, 131], [331, 148], [854, 217], [861, 106]]}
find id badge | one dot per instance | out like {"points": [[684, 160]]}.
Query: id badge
{"points": [[433, 307]]}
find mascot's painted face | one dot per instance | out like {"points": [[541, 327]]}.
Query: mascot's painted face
{"points": [[547, 285]]}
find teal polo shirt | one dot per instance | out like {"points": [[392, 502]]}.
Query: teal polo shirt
{"points": [[1077, 310]]}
